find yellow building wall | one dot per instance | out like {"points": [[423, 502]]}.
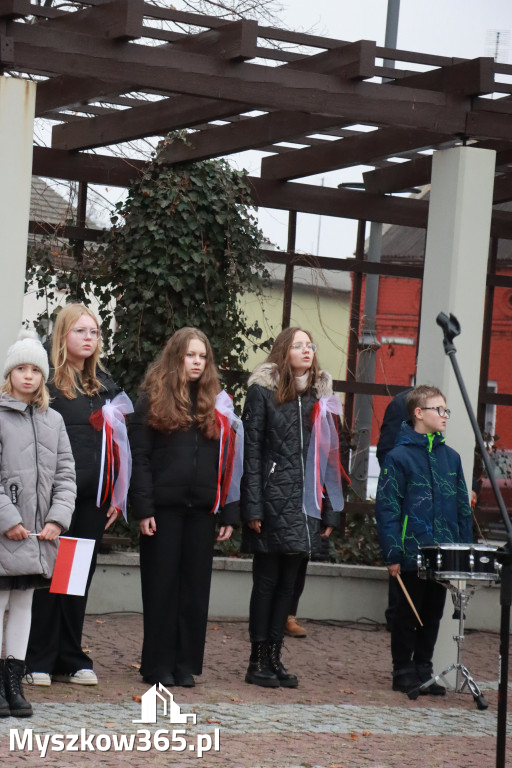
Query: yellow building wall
{"points": [[323, 312]]}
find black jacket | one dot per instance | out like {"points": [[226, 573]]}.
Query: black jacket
{"points": [[84, 438], [276, 446], [176, 470]]}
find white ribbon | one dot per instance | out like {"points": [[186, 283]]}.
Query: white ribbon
{"points": [[114, 413], [323, 459], [224, 406]]}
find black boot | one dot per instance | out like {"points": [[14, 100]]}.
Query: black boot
{"points": [[4, 704], [286, 679], [425, 673], [405, 678], [259, 671], [14, 671]]}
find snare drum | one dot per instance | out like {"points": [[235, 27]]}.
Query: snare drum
{"points": [[442, 562]]}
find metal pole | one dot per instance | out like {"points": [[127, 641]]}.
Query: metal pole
{"points": [[288, 273], [369, 344]]}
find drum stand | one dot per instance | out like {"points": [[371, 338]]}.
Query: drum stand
{"points": [[463, 678]]}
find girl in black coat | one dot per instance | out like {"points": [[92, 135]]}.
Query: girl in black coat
{"points": [[79, 387], [180, 440], [289, 399]]}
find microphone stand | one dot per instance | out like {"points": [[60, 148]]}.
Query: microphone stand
{"points": [[451, 328]]}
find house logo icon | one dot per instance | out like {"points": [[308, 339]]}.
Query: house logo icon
{"points": [[149, 707]]}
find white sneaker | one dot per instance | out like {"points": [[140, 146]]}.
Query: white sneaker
{"points": [[82, 677], [37, 678]]}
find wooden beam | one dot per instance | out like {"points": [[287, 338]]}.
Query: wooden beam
{"points": [[114, 20], [344, 153], [112, 171], [95, 169], [399, 177], [471, 77], [66, 91], [151, 120], [234, 41], [263, 87], [254, 133], [14, 9]]}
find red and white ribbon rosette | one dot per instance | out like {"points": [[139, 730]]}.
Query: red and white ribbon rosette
{"points": [[116, 456], [323, 464], [231, 451]]}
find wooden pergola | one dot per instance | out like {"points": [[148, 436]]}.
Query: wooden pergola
{"points": [[119, 70]]}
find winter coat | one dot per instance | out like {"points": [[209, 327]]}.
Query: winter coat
{"points": [[276, 446], [422, 498], [37, 485], [173, 470], [86, 441]]}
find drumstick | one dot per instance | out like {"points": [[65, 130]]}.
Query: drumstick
{"points": [[408, 598]]}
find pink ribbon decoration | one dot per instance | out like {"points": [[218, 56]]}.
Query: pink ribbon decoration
{"points": [[231, 450], [116, 448], [323, 465]]}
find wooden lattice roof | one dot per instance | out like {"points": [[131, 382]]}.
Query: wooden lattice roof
{"points": [[118, 70]]}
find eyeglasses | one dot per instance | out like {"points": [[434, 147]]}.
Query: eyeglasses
{"points": [[302, 345], [94, 333], [445, 413]]}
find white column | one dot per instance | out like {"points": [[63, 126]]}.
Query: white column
{"points": [[17, 106], [456, 254]]}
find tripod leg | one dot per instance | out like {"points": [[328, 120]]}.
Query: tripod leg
{"points": [[478, 696]]}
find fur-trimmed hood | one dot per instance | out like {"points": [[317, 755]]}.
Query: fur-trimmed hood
{"points": [[267, 375]]}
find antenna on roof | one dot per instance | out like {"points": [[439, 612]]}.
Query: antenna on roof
{"points": [[497, 44]]}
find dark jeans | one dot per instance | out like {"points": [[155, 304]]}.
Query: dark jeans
{"points": [[176, 571], [55, 642], [410, 641], [274, 577]]}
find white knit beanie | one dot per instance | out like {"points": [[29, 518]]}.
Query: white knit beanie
{"points": [[27, 350]]}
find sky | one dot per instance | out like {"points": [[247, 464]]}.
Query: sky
{"points": [[458, 28]]}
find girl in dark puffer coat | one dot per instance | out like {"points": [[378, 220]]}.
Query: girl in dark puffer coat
{"points": [[291, 454]]}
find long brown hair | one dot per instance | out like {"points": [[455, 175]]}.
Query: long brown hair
{"points": [[66, 377], [167, 387], [280, 355]]}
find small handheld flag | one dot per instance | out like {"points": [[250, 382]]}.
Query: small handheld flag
{"points": [[72, 566]]}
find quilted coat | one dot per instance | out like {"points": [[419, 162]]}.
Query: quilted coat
{"points": [[276, 445], [37, 485], [422, 498]]}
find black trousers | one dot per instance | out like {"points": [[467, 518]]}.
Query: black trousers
{"points": [[298, 587], [273, 577], [55, 642], [176, 570], [409, 641]]}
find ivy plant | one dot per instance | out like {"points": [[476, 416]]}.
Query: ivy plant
{"points": [[182, 249]]}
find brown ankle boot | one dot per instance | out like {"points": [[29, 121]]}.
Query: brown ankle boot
{"points": [[292, 629]]}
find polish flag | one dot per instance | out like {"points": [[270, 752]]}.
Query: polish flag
{"points": [[72, 566]]}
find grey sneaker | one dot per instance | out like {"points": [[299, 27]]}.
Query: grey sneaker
{"points": [[82, 677], [37, 678]]}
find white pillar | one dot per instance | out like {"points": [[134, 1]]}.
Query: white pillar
{"points": [[17, 106], [454, 281]]}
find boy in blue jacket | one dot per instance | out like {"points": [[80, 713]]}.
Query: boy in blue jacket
{"points": [[421, 499]]}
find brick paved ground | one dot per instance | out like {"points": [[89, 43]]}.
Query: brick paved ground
{"points": [[344, 713]]}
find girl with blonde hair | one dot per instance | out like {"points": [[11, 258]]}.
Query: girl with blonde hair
{"points": [[79, 387]]}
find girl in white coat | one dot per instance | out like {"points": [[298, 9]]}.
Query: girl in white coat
{"points": [[37, 493]]}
